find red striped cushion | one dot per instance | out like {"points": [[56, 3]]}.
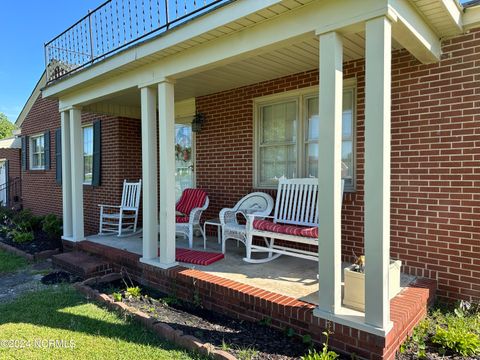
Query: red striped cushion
{"points": [[181, 219], [304, 231], [191, 199]]}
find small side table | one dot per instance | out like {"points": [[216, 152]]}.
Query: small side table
{"points": [[213, 222]]}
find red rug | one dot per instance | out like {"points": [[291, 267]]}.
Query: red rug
{"points": [[196, 257]]}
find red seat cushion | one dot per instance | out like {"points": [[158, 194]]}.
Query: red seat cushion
{"points": [[267, 225], [191, 199], [181, 219]]}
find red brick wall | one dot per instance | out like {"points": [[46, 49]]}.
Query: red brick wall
{"points": [[13, 157], [120, 159], [435, 160]]}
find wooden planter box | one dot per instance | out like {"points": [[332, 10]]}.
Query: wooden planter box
{"points": [[354, 285]]}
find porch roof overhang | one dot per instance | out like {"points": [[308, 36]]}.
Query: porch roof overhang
{"points": [[227, 43]]}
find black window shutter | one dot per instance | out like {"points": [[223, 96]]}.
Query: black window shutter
{"points": [[7, 179], [58, 156], [97, 145], [24, 153], [46, 149]]}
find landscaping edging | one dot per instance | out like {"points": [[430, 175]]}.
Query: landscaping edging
{"points": [[42, 255], [162, 330]]}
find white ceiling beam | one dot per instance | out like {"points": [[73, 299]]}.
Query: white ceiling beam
{"points": [[413, 33], [471, 17]]}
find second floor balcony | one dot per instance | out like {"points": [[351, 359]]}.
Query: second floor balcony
{"points": [[115, 25]]}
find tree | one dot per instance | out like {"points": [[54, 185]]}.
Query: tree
{"points": [[6, 127]]}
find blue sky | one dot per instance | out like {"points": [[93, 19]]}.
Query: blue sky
{"points": [[26, 26]]}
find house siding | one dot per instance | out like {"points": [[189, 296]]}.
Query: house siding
{"points": [[120, 159], [435, 199]]}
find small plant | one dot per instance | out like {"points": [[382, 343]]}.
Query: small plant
{"points": [[134, 292], [21, 237], [324, 355], [52, 226], [170, 300], [117, 296], [289, 332], [197, 300], [247, 353], [225, 346], [307, 339], [266, 321]]}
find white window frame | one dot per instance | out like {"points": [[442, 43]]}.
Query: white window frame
{"points": [[31, 153], [83, 153], [301, 95]]}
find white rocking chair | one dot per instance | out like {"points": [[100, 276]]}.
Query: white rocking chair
{"points": [[122, 219]]}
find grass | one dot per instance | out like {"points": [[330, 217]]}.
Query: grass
{"points": [[10, 262], [60, 313]]}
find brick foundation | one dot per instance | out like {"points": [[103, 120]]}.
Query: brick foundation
{"points": [[254, 304]]}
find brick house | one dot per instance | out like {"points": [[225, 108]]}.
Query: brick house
{"points": [[401, 77]]}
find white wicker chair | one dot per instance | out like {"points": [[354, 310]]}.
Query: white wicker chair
{"points": [[258, 203], [187, 228], [122, 218]]}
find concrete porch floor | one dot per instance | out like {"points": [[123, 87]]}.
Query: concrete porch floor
{"points": [[286, 275]]}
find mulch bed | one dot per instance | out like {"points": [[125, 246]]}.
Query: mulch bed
{"points": [[41, 242], [232, 335], [59, 277]]}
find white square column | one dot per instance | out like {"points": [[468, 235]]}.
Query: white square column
{"points": [[166, 118], [329, 175], [76, 146], [66, 176], [377, 171], [149, 173]]}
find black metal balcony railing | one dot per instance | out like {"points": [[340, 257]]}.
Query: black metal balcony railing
{"points": [[114, 25]]}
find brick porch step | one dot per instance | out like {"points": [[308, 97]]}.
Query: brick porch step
{"points": [[82, 264]]}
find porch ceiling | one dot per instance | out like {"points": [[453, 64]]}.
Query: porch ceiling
{"points": [[295, 58]]}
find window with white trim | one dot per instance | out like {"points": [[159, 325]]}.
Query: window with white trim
{"points": [[37, 152], [87, 154], [287, 132]]}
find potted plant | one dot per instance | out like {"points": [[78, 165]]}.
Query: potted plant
{"points": [[354, 283]]}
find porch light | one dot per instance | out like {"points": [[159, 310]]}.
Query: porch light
{"points": [[198, 121]]}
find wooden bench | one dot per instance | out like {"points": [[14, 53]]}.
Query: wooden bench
{"points": [[295, 220]]}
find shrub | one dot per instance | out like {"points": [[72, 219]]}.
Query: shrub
{"points": [[23, 216], [457, 338], [52, 226], [21, 237], [6, 215]]}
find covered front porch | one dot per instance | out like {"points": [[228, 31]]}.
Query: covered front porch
{"points": [[329, 40]]}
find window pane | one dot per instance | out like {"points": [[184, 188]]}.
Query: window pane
{"points": [[277, 161], [279, 123], [87, 168], [347, 118], [311, 154], [312, 127], [87, 154], [347, 159]]}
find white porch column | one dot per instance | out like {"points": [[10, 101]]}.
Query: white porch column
{"points": [[66, 176], [377, 171], [76, 146], [149, 173], [166, 118], [329, 178]]}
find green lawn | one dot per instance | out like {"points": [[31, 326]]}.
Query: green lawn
{"points": [[63, 314], [10, 262]]}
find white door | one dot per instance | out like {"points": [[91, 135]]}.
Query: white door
{"points": [[3, 183], [184, 158]]}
